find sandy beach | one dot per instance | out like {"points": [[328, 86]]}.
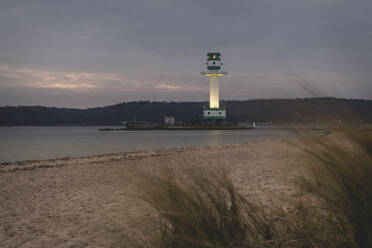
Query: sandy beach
{"points": [[89, 201]]}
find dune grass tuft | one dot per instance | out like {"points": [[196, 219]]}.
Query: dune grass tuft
{"points": [[199, 207], [339, 174]]}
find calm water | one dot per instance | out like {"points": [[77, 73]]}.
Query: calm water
{"points": [[33, 143]]}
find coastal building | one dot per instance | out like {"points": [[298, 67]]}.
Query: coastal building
{"points": [[169, 120], [214, 111]]}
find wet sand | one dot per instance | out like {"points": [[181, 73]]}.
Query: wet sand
{"points": [[88, 201]]}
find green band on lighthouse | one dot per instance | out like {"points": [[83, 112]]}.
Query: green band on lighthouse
{"points": [[214, 57]]}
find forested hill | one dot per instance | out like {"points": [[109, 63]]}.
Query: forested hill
{"points": [[271, 110]]}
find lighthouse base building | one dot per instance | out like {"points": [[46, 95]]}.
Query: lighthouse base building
{"points": [[214, 111]]}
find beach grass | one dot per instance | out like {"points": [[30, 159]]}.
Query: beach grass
{"points": [[199, 207], [339, 174]]}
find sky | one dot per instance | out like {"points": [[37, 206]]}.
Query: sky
{"points": [[88, 53]]}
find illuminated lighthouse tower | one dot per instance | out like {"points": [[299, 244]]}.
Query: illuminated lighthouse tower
{"points": [[213, 72]]}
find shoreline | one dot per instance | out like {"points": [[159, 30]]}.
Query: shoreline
{"points": [[111, 157], [61, 143], [21, 160]]}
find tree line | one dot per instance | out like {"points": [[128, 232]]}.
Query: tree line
{"points": [[300, 110]]}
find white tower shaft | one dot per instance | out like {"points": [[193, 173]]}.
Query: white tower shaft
{"points": [[214, 92]]}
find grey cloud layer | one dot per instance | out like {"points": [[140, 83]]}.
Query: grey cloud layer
{"points": [[267, 45]]}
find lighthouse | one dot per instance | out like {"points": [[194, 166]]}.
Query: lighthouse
{"points": [[214, 64]]}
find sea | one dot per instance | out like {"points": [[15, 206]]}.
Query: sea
{"points": [[37, 143]]}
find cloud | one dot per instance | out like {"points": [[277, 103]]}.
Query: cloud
{"points": [[29, 86], [176, 88], [25, 77]]}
